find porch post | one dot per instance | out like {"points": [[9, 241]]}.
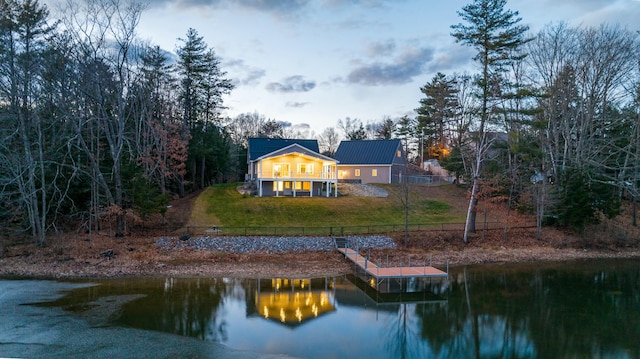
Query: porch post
{"points": [[337, 174], [294, 188], [260, 187]]}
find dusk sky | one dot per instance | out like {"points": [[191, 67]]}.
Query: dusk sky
{"points": [[312, 62]]}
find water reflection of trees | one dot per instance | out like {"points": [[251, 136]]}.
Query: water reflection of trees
{"points": [[403, 334], [187, 307], [542, 313], [503, 312]]}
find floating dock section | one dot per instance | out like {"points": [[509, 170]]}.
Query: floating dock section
{"points": [[376, 274]]}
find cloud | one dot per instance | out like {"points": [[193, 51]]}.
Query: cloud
{"points": [[382, 48], [454, 58], [582, 12], [270, 6], [402, 70], [243, 74], [623, 12], [580, 5], [278, 7], [291, 84], [295, 104], [365, 3], [253, 76]]}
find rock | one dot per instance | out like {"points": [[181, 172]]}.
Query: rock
{"points": [[108, 254], [361, 190], [185, 237], [267, 244]]}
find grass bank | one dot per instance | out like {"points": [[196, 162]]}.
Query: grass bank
{"points": [[223, 206]]}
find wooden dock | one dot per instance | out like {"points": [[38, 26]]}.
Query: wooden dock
{"points": [[377, 272]]}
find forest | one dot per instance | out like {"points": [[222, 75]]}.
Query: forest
{"points": [[96, 124]]}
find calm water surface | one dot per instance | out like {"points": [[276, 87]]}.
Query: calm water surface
{"points": [[586, 309]]}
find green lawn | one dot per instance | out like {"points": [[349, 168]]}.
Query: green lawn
{"points": [[222, 205]]}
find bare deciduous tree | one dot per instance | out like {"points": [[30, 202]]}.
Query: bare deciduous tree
{"points": [[328, 141]]}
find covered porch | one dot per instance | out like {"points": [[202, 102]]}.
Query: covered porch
{"points": [[296, 187]]}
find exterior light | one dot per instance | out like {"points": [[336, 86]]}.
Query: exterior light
{"points": [[299, 314]]}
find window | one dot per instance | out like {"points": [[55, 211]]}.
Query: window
{"points": [[305, 168], [278, 186], [399, 153], [281, 170], [357, 173], [374, 172], [303, 186]]}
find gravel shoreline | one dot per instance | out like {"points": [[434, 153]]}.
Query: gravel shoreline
{"points": [[267, 245], [271, 256]]}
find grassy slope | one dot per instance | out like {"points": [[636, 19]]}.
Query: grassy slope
{"points": [[222, 205]]}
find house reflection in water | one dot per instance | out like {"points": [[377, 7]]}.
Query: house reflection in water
{"points": [[294, 301]]}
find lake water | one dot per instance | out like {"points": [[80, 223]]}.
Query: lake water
{"points": [[585, 309]]}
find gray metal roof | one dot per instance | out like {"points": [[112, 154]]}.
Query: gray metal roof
{"points": [[367, 152], [259, 147]]}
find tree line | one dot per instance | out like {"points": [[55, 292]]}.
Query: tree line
{"points": [[96, 124], [549, 123]]}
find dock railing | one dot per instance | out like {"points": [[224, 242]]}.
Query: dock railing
{"points": [[396, 270]]}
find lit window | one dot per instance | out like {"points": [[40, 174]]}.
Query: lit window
{"points": [[281, 170], [303, 186], [357, 173], [278, 186], [374, 172], [305, 168], [399, 153]]}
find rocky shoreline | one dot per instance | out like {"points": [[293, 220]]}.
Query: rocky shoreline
{"points": [[269, 257], [266, 244]]}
